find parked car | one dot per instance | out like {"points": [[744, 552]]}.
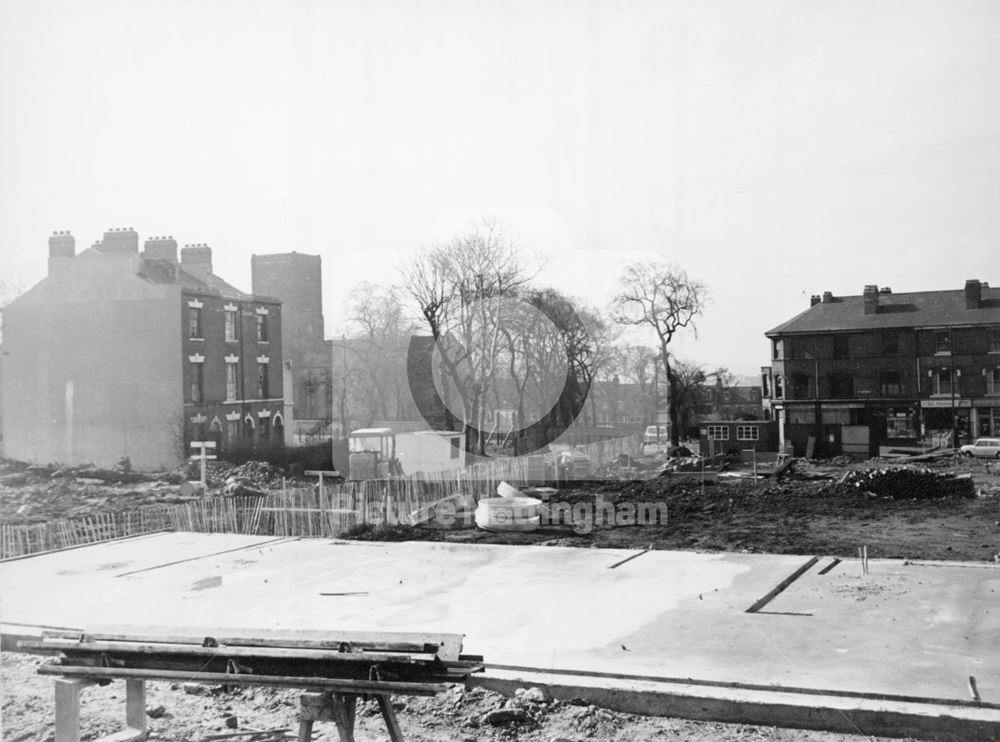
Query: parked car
{"points": [[984, 447]]}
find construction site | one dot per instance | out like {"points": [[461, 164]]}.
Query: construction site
{"points": [[643, 597]]}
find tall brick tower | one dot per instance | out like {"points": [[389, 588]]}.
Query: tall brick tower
{"points": [[297, 280]]}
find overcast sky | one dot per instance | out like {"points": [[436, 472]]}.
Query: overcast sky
{"points": [[772, 149]]}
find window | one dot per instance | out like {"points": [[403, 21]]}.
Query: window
{"points": [[994, 341], [265, 429], [840, 349], [718, 432], [232, 430], [776, 349], [993, 381], [799, 386], [942, 341], [232, 381], [890, 344], [197, 382], [801, 348], [842, 386], [890, 383], [194, 323], [765, 387], [262, 382], [230, 326], [261, 328], [747, 433], [943, 382], [779, 391]]}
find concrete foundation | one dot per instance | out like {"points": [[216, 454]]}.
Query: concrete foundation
{"points": [[891, 652]]}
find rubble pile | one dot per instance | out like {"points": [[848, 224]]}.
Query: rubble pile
{"points": [[910, 484]]}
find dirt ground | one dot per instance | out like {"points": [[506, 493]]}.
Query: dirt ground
{"points": [[808, 512], [455, 716]]}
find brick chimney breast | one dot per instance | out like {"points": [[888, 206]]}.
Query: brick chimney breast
{"points": [[62, 245], [121, 240], [197, 257], [973, 294], [871, 299], [161, 248]]}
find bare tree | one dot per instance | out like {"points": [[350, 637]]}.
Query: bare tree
{"points": [[663, 297], [462, 289], [378, 347]]}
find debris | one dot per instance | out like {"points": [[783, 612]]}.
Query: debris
{"points": [[502, 716]]}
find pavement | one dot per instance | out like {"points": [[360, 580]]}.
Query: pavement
{"points": [[905, 633]]}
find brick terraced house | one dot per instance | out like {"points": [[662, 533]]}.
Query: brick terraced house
{"points": [[121, 353], [858, 372]]}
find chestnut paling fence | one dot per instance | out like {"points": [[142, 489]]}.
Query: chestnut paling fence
{"points": [[298, 511]]}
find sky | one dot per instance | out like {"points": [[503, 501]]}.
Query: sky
{"points": [[773, 149]]}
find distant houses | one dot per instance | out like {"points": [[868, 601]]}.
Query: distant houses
{"points": [[118, 352], [858, 372]]}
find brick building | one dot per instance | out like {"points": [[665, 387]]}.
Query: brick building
{"points": [[117, 352], [296, 280], [857, 372]]}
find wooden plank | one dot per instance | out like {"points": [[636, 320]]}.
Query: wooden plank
{"points": [[135, 704], [224, 650], [780, 587], [389, 714], [222, 678], [449, 645]]}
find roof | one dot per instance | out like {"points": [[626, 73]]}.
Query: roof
{"points": [[165, 271], [896, 311]]}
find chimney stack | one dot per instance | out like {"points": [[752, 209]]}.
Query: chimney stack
{"points": [[827, 297], [62, 245], [814, 300], [197, 257], [121, 240], [160, 248], [871, 299], [973, 294]]}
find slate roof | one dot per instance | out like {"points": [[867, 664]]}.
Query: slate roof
{"points": [[163, 271], [917, 309]]}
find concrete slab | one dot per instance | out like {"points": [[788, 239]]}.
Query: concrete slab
{"points": [[903, 633]]}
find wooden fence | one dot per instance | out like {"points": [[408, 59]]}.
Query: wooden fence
{"points": [[296, 511]]}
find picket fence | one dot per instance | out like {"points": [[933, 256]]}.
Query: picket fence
{"points": [[294, 511]]}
